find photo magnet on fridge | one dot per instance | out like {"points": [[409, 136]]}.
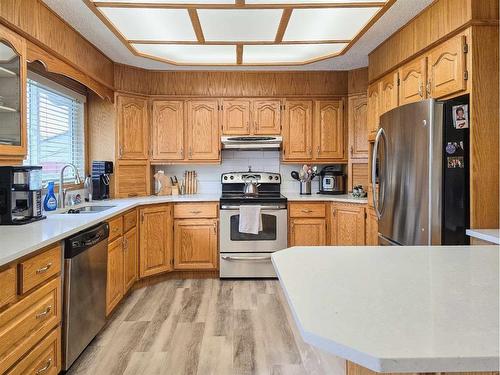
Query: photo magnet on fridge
{"points": [[455, 162], [460, 116]]}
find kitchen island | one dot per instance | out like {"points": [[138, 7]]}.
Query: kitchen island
{"points": [[397, 309]]}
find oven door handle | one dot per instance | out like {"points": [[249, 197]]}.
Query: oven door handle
{"points": [[248, 259], [263, 208]]}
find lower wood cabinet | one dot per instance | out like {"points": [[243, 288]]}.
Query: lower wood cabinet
{"points": [[307, 232], [130, 259], [195, 244], [156, 240], [371, 227], [114, 285], [348, 225]]}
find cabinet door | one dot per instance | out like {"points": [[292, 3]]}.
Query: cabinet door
{"points": [[168, 130], [297, 134], [446, 68], [155, 231], [371, 227], [132, 127], [236, 117], [358, 129], [307, 232], [348, 225], [373, 110], [412, 79], [195, 244], [132, 178], [203, 130], [388, 92], [266, 116], [329, 129], [114, 285], [130, 257]]}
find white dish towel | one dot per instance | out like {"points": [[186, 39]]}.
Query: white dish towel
{"points": [[250, 219]]}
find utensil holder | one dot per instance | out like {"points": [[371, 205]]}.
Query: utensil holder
{"points": [[305, 187]]}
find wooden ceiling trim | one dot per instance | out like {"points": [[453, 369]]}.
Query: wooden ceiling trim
{"points": [[239, 54], [195, 20], [248, 43], [285, 18], [240, 3], [236, 6]]}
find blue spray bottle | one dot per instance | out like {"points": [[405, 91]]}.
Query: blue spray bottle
{"points": [[50, 201]]}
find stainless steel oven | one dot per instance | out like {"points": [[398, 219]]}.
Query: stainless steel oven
{"points": [[244, 255]]}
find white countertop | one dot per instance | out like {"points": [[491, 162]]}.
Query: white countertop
{"points": [[345, 198], [397, 309], [490, 235]]}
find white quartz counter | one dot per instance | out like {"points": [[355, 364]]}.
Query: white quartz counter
{"points": [[19, 240], [490, 235], [397, 309], [344, 198]]}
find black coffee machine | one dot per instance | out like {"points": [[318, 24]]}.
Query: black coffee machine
{"points": [[101, 170], [20, 195]]}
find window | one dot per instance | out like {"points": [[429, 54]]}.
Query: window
{"points": [[55, 128]]}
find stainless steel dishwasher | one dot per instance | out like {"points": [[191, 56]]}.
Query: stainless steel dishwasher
{"points": [[84, 308]]}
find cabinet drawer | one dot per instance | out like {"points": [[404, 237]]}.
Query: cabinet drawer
{"points": [[25, 322], [307, 210], [45, 358], [129, 221], [115, 228], [195, 210], [8, 284], [36, 270]]}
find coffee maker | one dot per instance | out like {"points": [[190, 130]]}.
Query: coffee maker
{"points": [[101, 170], [20, 195]]}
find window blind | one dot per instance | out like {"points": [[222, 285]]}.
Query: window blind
{"points": [[55, 130]]}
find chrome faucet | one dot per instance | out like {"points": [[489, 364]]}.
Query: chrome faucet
{"points": [[62, 191]]}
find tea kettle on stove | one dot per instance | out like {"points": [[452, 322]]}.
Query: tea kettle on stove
{"points": [[251, 187]]}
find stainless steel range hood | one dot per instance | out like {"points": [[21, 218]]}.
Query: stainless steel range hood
{"points": [[252, 142]]}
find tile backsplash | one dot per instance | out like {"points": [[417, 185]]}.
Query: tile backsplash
{"points": [[266, 161]]}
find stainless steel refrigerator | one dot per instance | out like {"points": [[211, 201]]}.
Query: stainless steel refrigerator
{"points": [[420, 161]]}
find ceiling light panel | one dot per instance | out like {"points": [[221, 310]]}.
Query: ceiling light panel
{"points": [[239, 24], [286, 53], [151, 24], [327, 23], [190, 54]]}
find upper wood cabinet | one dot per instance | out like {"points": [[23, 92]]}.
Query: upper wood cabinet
{"points": [[388, 93], [446, 68], [202, 128], [297, 132], [167, 133], [195, 244], [156, 240], [328, 129], [13, 134], [412, 81], [236, 117], [266, 115], [373, 109], [132, 125], [348, 225], [358, 129]]}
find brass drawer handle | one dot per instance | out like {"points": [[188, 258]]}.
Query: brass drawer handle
{"points": [[44, 368], [195, 212], [44, 269], [306, 210], [44, 313]]}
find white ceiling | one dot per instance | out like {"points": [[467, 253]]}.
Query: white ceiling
{"points": [[77, 14]]}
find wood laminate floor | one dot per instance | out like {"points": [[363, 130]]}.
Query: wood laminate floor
{"points": [[204, 327]]}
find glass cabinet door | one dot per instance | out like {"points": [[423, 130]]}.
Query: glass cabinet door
{"points": [[10, 96]]}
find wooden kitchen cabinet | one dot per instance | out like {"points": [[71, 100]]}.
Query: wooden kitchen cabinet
{"points": [[266, 116], [236, 116], [388, 93], [114, 286], [130, 257], [156, 240], [347, 224], [371, 227], [195, 244], [307, 232], [328, 129], [297, 132], [358, 129], [203, 139], [373, 109], [132, 127], [167, 130], [412, 81], [446, 68], [132, 178]]}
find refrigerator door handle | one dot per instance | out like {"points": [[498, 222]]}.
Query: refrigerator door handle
{"points": [[380, 134]]}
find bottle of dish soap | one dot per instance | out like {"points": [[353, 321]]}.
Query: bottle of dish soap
{"points": [[50, 201]]}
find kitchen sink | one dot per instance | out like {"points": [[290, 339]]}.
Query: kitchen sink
{"points": [[88, 209]]}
